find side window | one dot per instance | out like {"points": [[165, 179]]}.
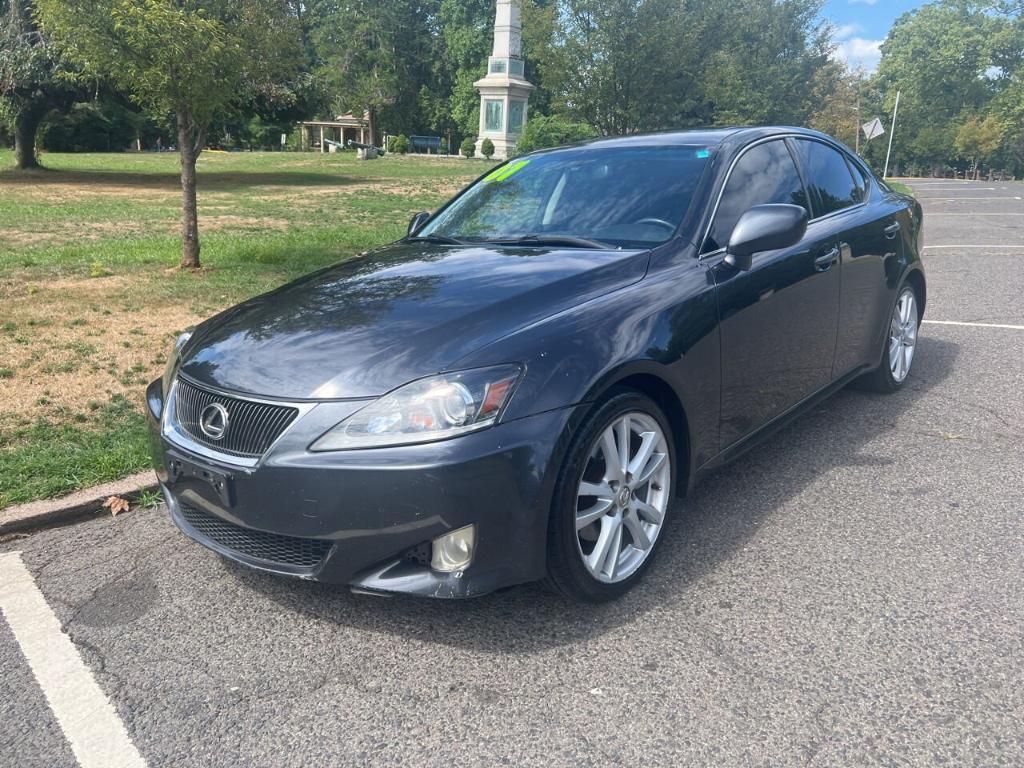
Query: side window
{"points": [[764, 174], [828, 173]]}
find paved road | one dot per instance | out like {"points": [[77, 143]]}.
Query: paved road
{"points": [[850, 594]]}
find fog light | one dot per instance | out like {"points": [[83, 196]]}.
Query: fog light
{"points": [[454, 551]]}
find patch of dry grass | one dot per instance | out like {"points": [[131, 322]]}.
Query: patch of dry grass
{"points": [[88, 308]]}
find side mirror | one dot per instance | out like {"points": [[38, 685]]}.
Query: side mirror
{"points": [[765, 228], [416, 222]]}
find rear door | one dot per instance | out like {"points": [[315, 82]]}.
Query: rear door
{"points": [[778, 319], [866, 237]]}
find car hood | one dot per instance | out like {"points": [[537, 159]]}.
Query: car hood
{"points": [[408, 310]]}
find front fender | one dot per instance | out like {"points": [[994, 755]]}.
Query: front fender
{"points": [[665, 326]]}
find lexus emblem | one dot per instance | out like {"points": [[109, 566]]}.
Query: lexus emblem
{"points": [[213, 421]]}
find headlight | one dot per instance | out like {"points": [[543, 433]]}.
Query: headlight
{"points": [[434, 408], [174, 358]]}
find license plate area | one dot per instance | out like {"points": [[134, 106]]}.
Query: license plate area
{"points": [[182, 469]]}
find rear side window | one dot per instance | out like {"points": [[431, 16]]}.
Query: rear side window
{"points": [[764, 174], [829, 175]]}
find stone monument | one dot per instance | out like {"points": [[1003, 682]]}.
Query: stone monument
{"points": [[504, 91]]}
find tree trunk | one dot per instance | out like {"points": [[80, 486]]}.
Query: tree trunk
{"points": [[188, 151], [26, 125]]}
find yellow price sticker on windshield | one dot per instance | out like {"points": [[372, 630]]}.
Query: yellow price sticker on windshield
{"points": [[506, 171]]}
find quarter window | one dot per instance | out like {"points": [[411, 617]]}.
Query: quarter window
{"points": [[859, 180], [829, 176], [764, 174]]}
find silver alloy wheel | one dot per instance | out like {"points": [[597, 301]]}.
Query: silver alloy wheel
{"points": [[623, 497], [903, 335]]}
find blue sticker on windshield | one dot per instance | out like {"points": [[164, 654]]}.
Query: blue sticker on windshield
{"points": [[703, 154]]}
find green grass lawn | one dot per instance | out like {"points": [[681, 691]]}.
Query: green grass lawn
{"points": [[903, 189], [89, 302]]}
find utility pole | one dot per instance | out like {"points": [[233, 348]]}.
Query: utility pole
{"points": [[856, 129], [892, 132]]}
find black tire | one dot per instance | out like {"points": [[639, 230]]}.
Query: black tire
{"points": [[567, 574], [881, 379]]}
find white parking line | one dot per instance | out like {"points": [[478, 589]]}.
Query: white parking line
{"points": [[96, 734], [954, 199], [934, 188], [975, 325], [993, 246]]}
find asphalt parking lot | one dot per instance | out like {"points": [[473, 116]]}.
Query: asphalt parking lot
{"points": [[849, 594]]}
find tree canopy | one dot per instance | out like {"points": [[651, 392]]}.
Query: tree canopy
{"points": [[33, 77], [194, 60], [958, 66]]}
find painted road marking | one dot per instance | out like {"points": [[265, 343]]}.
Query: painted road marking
{"points": [[976, 325], [954, 199], [936, 188], [91, 725], [992, 246]]}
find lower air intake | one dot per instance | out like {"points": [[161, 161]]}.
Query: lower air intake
{"points": [[271, 548]]}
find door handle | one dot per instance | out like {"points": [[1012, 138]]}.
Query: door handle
{"points": [[892, 230], [824, 262]]}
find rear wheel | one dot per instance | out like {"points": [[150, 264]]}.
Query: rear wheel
{"points": [[900, 345], [612, 499]]}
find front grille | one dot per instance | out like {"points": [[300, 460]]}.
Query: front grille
{"points": [[252, 427], [260, 545]]}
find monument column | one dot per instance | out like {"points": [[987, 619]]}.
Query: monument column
{"points": [[504, 91]]}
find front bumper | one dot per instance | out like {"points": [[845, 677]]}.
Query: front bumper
{"points": [[370, 510]]}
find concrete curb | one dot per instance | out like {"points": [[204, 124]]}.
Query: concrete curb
{"points": [[47, 513]]}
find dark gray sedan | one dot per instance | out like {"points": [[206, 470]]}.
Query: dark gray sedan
{"points": [[519, 388]]}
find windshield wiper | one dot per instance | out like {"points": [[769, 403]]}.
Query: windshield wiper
{"points": [[569, 240], [442, 239]]}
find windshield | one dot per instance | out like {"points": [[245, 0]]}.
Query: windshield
{"points": [[630, 197]]}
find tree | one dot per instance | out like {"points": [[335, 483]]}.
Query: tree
{"points": [[838, 94], [487, 148], [639, 65], [763, 57], [617, 65], [468, 27], [939, 56], [376, 56], [32, 81], [468, 147], [978, 139], [197, 62]]}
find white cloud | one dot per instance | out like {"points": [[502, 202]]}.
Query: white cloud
{"points": [[865, 2], [846, 31], [858, 52]]}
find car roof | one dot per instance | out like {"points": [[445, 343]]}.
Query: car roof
{"points": [[699, 136]]}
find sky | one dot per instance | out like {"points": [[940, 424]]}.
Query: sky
{"points": [[861, 27]]}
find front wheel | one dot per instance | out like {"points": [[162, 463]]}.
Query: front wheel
{"points": [[612, 499], [900, 345]]}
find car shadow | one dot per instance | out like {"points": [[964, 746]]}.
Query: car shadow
{"points": [[210, 181], [720, 518]]}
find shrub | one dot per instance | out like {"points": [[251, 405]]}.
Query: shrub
{"points": [[487, 148], [398, 144], [553, 131], [468, 147]]}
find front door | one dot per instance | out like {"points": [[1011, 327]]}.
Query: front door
{"points": [[778, 319]]}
